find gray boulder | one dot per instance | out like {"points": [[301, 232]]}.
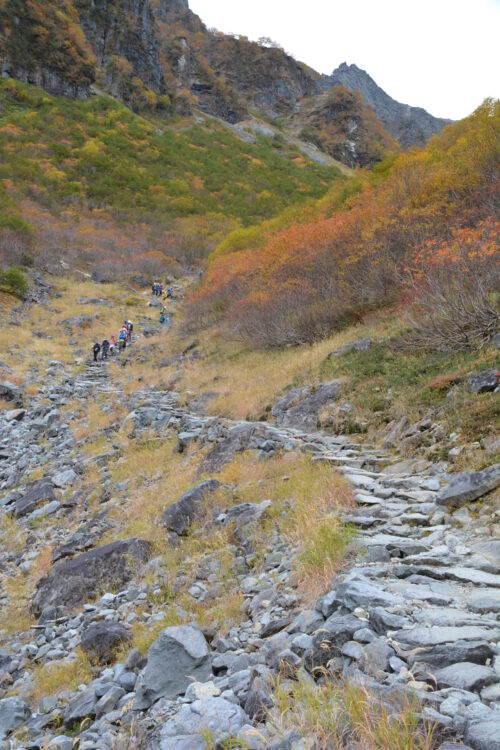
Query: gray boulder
{"points": [[13, 714], [238, 440], [466, 676], [469, 486], [217, 716], [11, 392], [179, 516], [39, 493], [485, 734], [81, 707], [300, 407], [72, 582], [179, 655], [483, 382], [353, 346], [101, 639], [356, 591]]}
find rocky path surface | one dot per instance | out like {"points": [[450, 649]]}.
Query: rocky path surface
{"points": [[417, 611]]}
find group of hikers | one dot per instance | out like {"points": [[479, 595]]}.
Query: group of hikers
{"points": [[159, 291], [112, 345]]}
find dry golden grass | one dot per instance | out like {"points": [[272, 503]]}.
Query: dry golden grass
{"points": [[12, 536], [15, 617], [54, 677], [249, 381], [316, 497], [340, 714]]}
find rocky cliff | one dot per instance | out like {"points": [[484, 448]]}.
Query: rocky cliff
{"points": [[409, 125], [157, 56]]}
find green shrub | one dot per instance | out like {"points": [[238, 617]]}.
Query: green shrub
{"points": [[14, 282]]}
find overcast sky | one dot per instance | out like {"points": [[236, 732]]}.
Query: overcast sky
{"points": [[443, 55]]}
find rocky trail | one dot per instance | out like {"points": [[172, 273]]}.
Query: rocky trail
{"points": [[416, 610]]}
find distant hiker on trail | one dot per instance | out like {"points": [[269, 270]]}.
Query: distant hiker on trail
{"points": [[122, 339], [170, 292], [105, 348], [130, 328], [112, 343], [96, 350], [160, 290]]}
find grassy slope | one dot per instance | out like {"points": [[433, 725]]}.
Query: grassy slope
{"points": [[99, 155]]}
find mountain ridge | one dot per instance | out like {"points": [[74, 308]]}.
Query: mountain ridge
{"points": [[409, 125]]}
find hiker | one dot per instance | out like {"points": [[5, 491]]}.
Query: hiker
{"points": [[170, 292], [112, 344], [122, 339], [105, 348], [130, 328], [153, 287], [160, 290], [96, 350]]}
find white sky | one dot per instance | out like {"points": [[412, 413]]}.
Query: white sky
{"points": [[443, 55]]}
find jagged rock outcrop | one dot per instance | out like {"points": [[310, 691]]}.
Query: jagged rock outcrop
{"points": [[409, 125]]}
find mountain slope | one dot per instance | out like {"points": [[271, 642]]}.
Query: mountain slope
{"points": [[409, 125], [159, 58]]}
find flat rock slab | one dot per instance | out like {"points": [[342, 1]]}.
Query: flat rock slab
{"points": [[466, 676], [433, 636], [39, 493], [300, 407], [469, 486]]}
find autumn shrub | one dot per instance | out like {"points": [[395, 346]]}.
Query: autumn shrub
{"points": [[457, 289], [356, 250]]}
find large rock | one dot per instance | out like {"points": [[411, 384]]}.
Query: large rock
{"points": [[179, 655], [184, 731], [483, 382], [13, 714], [238, 440], [39, 493], [485, 734], [72, 582], [11, 392], [468, 486], [179, 516], [446, 654], [300, 407], [356, 591], [466, 676], [327, 642], [353, 346], [81, 707], [101, 639]]}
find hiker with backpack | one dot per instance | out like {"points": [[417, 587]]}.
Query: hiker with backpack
{"points": [[122, 339], [96, 349], [105, 349], [112, 344], [130, 328]]}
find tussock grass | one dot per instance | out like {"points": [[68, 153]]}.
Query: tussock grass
{"points": [[54, 677], [12, 535], [342, 714], [315, 498]]}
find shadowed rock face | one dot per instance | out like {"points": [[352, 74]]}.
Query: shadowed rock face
{"points": [[179, 516], [83, 577], [411, 126], [300, 407]]}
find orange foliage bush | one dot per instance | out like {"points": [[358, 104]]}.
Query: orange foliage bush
{"points": [[422, 212]]}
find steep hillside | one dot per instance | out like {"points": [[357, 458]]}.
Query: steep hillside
{"points": [[424, 223], [411, 126], [159, 58], [186, 185]]}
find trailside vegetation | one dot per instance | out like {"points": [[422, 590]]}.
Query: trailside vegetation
{"points": [[420, 228]]}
